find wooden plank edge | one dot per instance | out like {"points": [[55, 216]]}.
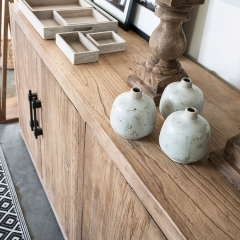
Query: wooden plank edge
{"points": [[220, 161]]}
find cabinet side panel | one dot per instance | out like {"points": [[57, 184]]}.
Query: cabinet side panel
{"points": [[62, 154], [111, 209], [26, 73]]}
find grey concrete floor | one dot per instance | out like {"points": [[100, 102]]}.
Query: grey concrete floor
{"points": [[38, 214], [37, 211]]}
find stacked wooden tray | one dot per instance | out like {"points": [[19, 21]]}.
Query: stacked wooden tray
{"points": [[107, 42], [48, 17], [80, 49], [68, 21], [41, 5], [77, 48]]}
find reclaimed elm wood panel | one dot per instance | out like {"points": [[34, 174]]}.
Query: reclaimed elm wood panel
{"points": [[23, 71], [187, 202], [59, 149], [111, 210], [62, 154]]}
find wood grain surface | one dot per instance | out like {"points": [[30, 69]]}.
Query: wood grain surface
{"points": [[56, 155], [227, 160], [186, 201], [62, 154], [11, 109], [4, 57], [111, 209]]}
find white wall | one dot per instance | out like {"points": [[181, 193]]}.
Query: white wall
{"points": [[213, 36], [147, 22]]}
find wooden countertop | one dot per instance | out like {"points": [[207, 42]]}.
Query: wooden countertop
{"points": [[187, 201]]}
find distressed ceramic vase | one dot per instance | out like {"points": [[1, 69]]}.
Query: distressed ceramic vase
{"points": [[133, 114], [179, 95], [185, 136]]}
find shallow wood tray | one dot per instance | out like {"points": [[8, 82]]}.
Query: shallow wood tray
{"points": [[87, 20], [84, 15], [37, 5], [107, 42], [77, 48]]}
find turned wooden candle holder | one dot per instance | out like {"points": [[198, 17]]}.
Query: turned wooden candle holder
{"points": [[227, 160], [167, 43]]}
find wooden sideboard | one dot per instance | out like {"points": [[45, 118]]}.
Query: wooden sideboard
{"points": [[100, 185]]}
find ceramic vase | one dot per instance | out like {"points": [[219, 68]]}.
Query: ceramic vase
{"points": [[179, 95], [133, 114], [185, 136]]}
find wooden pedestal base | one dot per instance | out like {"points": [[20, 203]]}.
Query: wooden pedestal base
{"points": [[153, 84], [134, 81], [227, 160]]}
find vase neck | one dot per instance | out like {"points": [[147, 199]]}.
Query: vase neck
{"points": [[191, 113], [136, 93], [186, 83]]}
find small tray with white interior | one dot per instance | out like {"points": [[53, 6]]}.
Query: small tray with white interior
{"points": [[77, 48], [107, 42], [42, 5], [87, 20]]}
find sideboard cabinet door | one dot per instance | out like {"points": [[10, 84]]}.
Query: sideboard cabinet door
{"points": [[62, 154], [57, 154], [26, 72]]}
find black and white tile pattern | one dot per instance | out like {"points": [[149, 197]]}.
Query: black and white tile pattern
{"points": [[12, 223]]}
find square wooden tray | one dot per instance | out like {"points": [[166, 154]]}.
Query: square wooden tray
{"points": [[77, 48], [42, 5], [84, 15], [107, 42], [50, 22]]}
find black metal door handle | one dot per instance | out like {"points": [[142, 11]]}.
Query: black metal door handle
{"points": [[36, 104], [30, 99]]}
